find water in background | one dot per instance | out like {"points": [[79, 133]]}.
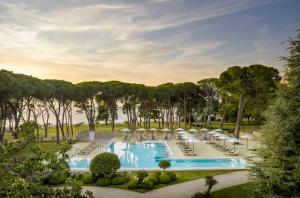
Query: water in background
{"points": [[80, 117]]}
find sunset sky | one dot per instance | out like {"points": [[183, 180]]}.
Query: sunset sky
{"points": [[142, 41]]}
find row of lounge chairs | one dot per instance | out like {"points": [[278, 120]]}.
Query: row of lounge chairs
{"points": [[88, 149], [148, 137], [227, 149], [185, 148]]}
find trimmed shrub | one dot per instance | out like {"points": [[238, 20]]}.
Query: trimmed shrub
{"points": [[87, 178], [157, 174], [163, 164], [141, 175], [118, 181], [164, 179], [102, 181], [172, 175], [105, 164], [132, 184], [147, 184], [153, 179], [57, 178]]}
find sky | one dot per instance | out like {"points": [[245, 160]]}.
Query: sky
{"points": [[143, 41]]}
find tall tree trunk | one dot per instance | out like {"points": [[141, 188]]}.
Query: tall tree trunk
{"points": [[239, 116], [57, 131], [162, 118], [71, 120], [210, 110], [223, 117], [185, 114], [190, 123]]}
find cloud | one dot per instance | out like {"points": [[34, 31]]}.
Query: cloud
{"points": [[105, 40]]}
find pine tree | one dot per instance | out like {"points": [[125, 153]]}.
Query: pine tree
{"points": [[277, 174]]}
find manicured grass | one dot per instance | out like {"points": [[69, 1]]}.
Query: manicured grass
{"points": [[182, 176], [48, 146], [119, 126], [238, 191]]}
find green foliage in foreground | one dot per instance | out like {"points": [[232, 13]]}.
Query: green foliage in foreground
{"points": [[27, 178], [278, 173]]}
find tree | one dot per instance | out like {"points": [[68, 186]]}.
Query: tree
{"points": [[111, 93], [185, 91], [163, 164], [59, 100], [208, 86], [247, 83], [105, 164], [86, 100], [278, 173]]}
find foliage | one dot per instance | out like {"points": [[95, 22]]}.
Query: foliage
{"points": [[256, 82], [153, 179], [200, 195], [157, 173], [57, 178], [278, 173], [147, 184], [87, 178], [27, 130], [163, 164], [164, 179], [172, 175], [132, 184], [141, 175], [210, 182], [26, 178], [105, 164], [118, 180], [103, 181]]}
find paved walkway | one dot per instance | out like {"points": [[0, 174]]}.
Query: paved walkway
{"points": [[182, 190]]}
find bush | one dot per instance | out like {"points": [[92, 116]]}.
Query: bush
{"points": [[57, 178], [105, 164], [87, 178], [172, 175], [153, 179], [132, 184], [164, 179], [147, 184], [141, 175], [102, 181], [118, 181], [157, 174], [164, 164], [78, 176], [200, 195]]}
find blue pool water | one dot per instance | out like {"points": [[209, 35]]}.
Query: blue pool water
{"points": [[147, 155]]}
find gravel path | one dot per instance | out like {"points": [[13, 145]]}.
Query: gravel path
{"points": [[182, 190]]}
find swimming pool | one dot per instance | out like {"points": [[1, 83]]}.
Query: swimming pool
{"points": [[147, 155]]}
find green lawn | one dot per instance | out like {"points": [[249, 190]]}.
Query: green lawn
{"points": [[182, 176], [238, 191], [48, 146], [119, 126]]}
